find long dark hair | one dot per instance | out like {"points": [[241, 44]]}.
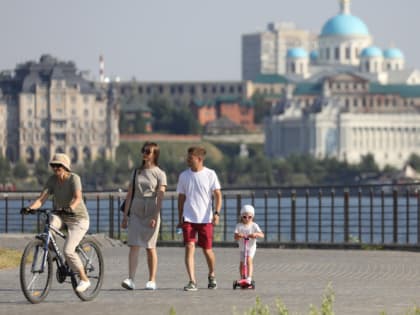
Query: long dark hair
{"points": [[156, 152]]}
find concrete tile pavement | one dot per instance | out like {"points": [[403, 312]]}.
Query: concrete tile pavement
{"points": [[364, 282]]}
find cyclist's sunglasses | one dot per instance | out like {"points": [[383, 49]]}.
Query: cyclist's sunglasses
{"points": [[56, 165]]}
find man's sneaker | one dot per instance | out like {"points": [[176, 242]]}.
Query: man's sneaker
{"points": [[128, 284], [150, 285], [212, 282], [83, 286], [191, 286]]}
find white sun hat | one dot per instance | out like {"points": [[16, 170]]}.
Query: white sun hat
{"points": [[248, 209]]}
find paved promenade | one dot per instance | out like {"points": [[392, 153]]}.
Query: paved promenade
{"points": [[364, 282]]}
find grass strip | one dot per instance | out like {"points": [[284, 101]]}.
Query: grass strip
{"points": [[9, 258]]}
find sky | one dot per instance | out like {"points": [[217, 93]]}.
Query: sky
{"points": [[179, 40]]}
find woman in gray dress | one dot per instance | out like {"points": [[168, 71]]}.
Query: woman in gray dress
{"points": [[144, 220]]}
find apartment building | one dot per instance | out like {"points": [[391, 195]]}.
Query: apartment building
{"points": [[47, 106]]}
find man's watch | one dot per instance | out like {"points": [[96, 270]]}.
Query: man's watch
{"points": [[217, 213]]}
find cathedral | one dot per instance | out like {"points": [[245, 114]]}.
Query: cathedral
{"points": [[345, 99]]}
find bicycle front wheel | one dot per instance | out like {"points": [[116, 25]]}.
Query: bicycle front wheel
{"points": [[93, 263], [35, 272]]}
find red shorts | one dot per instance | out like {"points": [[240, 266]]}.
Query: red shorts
{"points": [[204, 232]]}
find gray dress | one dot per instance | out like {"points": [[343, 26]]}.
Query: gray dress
{"points": [[144, 208]]}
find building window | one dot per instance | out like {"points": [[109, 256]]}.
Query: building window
{"points": [[355, 102], [348, 53], [337, 53], [58, 99]]}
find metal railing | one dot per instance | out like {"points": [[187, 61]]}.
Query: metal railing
{"points": [[349, 215]]}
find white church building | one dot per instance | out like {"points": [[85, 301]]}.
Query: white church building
{"points": [[345, 99]]}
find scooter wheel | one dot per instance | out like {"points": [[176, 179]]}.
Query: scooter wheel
{"points": [[235, 284], [253, 284]]}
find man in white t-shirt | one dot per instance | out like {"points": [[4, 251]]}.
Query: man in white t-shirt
{"points": [[196, 187]]}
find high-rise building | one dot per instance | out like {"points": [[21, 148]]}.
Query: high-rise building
{"points": [[48, 107], [265, 52]]}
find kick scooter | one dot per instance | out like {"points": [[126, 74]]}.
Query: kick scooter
{"points": [[243, 282]]}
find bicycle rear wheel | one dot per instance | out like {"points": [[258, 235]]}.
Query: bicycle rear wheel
{"points": [[93, 262], [35, 278]]}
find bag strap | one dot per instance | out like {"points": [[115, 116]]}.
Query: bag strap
{"points": [[132, 186]]}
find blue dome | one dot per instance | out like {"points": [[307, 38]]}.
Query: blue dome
{"points": [[371, 51], [344, 25], [297, 53], [393, 53], [314, 55]]}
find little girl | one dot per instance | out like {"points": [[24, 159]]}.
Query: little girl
{"points": [[247, 228]]}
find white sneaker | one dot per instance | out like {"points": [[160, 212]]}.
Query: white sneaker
{"points": [[128, 284], [83, 286], [150, 285]]}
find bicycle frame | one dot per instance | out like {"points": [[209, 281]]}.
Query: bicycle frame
{"points": [[48, 239], [34, 264]]}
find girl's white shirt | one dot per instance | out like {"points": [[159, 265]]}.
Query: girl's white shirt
{"points": [[247, 229]]}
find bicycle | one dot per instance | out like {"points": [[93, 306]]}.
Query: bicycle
{"points": [[36, 266]]}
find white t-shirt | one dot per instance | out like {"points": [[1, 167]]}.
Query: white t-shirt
{"points": [[247, 229], [198, 189]]}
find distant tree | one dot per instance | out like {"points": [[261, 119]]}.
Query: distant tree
{"points": [[368, 164], [414, 161], [183, 121], [20, 170], [172, 119], [41, 171], [5, 170], [261, 107]]}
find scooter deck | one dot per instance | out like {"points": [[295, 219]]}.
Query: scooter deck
{"points": [[243, 284]]}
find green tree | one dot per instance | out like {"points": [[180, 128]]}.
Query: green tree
{"points": [[5, 170], [41, 171], [172, 119], [20, 170], [261, 107], [414, 161], [368, 164]]}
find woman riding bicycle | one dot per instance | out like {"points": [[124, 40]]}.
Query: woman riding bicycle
{"points": [[66, 188]]}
